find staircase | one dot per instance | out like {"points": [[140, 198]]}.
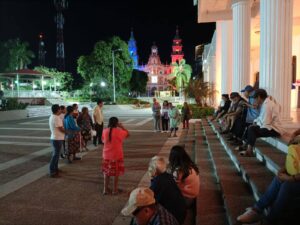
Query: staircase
{"points": [[229, 183]]}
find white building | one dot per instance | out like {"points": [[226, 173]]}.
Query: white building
{"points": [[254, 36]]}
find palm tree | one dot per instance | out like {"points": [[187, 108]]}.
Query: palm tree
{"points": [[20, 54], [182, 73]]}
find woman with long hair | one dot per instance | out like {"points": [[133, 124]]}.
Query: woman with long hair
{"points": [[185, 172], [186, 113], [112, 156], [72, 135], [85, 122], [165, 116]]}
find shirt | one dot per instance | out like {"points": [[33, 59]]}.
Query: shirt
{"points": [[162, 217], [167, 193], [70, 126], [98, 115], [113, 150], [269, 116], [252, 113], [190, 185], [156, 109], [54, 123]]}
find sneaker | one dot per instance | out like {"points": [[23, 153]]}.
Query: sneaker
{"points": [[250, 216], [76, 158], [246, 154]]}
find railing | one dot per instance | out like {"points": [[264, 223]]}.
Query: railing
{"points": [[32, 94]]}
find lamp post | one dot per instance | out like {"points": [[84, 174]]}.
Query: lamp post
{"points": [[113, 70]]}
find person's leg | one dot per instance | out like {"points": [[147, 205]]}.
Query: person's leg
{"points": [[163, 124], [286, 193], [158, 122], [116, 181], [59, 146], [175, 130], [106, 184], [97, 134], [187, 123], [100, 133], [171, 131], [54, 158], [167, 125], [154, 122]]}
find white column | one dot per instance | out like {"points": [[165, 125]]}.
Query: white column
{"points": [[241, 43], [226, 57], [276, 51]]}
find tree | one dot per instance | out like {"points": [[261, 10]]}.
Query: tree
{"points": [[63, 79], [182, 73], [201, 91], [138, 82], [15, 54], [98, 65]]}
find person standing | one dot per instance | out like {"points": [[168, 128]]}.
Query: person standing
{"points": [[165, 116], [85, 122], [112, 156], [57, 138], [156, 115], [72, 135], [174, 119], [98, 120], [62, 116], [186, 115]]}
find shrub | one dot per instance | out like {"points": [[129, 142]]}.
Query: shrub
{"points": [[201, 112], [13, 104]]}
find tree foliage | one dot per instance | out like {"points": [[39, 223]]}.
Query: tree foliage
{"points": [[64, 79], [182, 73], [138, 82], [202, 91], [97, 66], [15, 54]]}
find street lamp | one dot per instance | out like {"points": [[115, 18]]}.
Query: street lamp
{"points": [[102, 84], [113, 70]]}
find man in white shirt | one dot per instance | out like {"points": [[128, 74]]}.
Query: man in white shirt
{"points": [[57, 138], [98, 120], [267, 124]]}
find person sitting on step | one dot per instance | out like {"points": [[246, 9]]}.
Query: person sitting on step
{"points": [[267, 124], [166, 191], [185, 172]]}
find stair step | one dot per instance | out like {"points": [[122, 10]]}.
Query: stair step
{"points": [[236, 193], [210, 209]]}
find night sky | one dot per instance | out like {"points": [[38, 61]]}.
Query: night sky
{"points": [[87, 21]]}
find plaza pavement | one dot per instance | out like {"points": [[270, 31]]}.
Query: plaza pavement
{"points": [[29, 197]]}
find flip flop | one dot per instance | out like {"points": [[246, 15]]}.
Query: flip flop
{"points": [[246, 154]]}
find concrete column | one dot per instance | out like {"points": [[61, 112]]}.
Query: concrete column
{"points": [[241, 43], [276, 51], [226, 57]]}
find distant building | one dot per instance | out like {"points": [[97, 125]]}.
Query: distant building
{"points": [[158, 73], [132, 48], [198, 63]]}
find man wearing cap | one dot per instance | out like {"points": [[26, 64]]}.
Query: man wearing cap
{"points": [[267, 124], [249, 114], [142, 206], [252, 114]]}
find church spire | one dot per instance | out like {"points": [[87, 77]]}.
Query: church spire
{"points": [[132, 48], [177, 53]]}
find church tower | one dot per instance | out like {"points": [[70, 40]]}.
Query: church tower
{"points": [[132, 48], [177, 53]]}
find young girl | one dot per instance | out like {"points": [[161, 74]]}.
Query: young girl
{"points": [[112, 162], [185, 172]]}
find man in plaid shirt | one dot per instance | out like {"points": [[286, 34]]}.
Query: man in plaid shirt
{"points": [[142, 206]]}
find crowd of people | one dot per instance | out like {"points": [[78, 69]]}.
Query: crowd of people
{"points": [[175, 182], [169, 118], [70, 132], [243, 120]]}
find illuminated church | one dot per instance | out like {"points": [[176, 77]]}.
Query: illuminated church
{"points": [[158, 73]]}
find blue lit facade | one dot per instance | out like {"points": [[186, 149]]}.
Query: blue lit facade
{"points": [[133, 51]]}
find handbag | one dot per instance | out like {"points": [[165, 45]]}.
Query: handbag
{"points": [[94, 133]]}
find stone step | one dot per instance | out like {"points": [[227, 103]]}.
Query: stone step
{"points": [[209, 205], [236, 193], [257, 172]]}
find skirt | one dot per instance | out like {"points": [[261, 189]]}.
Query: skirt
{"points": [[113, 168], [73, 144]]}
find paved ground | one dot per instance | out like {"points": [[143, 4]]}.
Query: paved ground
{"points": [[29, 197]]}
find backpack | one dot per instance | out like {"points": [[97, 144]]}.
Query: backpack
{"points": [[292, 162]]}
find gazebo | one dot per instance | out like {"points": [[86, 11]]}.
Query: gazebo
{"points": [[15, 78]]}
